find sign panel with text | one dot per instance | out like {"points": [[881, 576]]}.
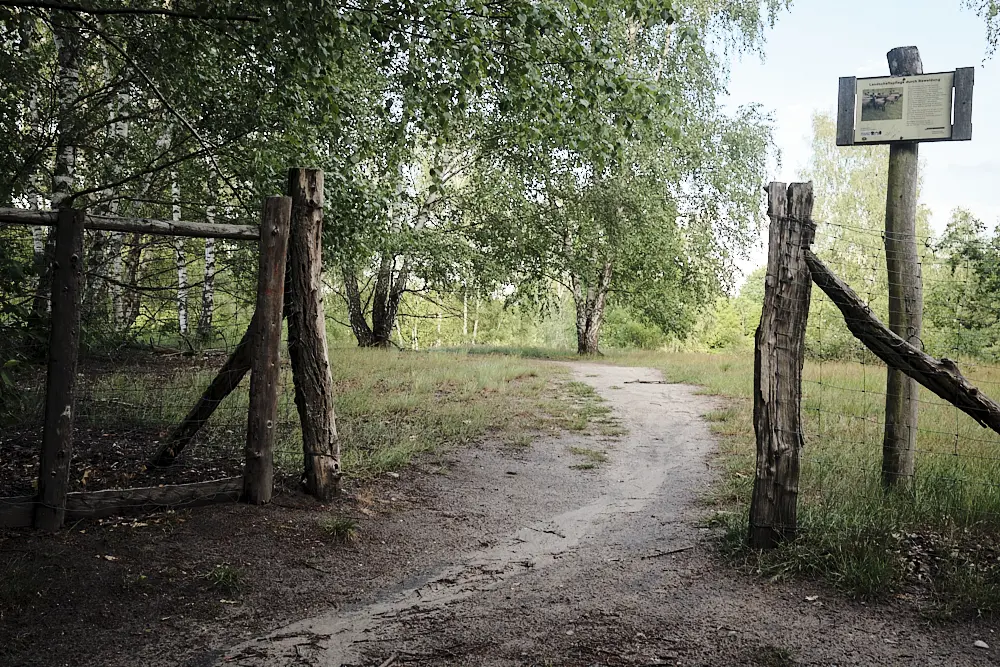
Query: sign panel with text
{"points": [[907, 108]]}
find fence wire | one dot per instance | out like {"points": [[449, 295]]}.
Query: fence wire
{"points": [[160, 315], [957, 471]]}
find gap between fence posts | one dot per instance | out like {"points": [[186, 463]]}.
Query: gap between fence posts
{"points": [[258, 473], [899, 441], [64, 347], [307, 346], [779, 354]]}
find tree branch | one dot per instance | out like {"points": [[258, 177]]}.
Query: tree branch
{"points": [[209, 149], [136, 11]]}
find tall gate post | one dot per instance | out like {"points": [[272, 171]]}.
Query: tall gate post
{"points": [[307, 345], [778, 357], [258, 473], [906, 305], [64, 347]]}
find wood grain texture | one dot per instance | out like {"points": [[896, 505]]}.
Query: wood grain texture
{"points": [[906, 301], [961, 128], [779, 354], [16, 512], [307, 346], [258, 473], [846, 101], [15, 216], [64, 347]]}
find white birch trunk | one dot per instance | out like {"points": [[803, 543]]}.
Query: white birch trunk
{"points": [[399, 333], [208, 285], [117, 239], [475, 322], [182, 277], [465, 314], [67, 42]]}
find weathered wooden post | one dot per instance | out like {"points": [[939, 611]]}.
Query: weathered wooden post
{"points": [[901, 110], [64, 346], [779, 354], [258, 473], [307, 346], [906, 296]]}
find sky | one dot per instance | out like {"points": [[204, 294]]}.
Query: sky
{"points": [[816, 42]]}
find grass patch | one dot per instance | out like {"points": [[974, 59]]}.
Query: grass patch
{"points": [[226, 578], [391, 406], [563, 354], [591, 458], [340, 528], [935, 543]]}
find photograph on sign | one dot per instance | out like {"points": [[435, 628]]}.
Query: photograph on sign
{"points": [[882, 104], [910, 108]]}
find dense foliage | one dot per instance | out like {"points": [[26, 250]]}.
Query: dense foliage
{"points": [[474, 150]]}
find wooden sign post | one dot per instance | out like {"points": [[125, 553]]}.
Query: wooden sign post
{"points": [[902, 110]]}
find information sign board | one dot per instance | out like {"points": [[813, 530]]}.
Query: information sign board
{"points": [[904, 108]]}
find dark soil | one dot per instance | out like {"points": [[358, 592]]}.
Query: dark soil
{"points": [[113, 439]]}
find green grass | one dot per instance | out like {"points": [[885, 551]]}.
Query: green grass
{"points": [[937, 540], [390, 405], [226, 578], [591, 458], [342, 529]]}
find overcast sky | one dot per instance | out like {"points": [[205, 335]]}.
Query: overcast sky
{"points": [[818, 41]]}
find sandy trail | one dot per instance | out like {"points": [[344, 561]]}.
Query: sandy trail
{"points": [[603, 567]]}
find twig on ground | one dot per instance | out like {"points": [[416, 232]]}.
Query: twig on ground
{"points": [[667, 553]]}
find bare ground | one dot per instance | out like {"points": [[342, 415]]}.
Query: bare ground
{"points": [[603, 567], [491, 555]]}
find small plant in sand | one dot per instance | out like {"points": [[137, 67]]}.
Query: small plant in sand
{"points": [[340, 528]]}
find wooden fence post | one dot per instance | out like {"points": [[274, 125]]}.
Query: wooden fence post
{"points": [[258, 473], [899, 443], [778, 357], [307, 346], [64, 346]]}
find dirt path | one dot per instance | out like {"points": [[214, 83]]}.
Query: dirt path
{"points": [[601, 567]]}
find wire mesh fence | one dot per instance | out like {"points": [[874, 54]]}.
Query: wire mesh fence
{"points": [[160, 315], [956, 481]]}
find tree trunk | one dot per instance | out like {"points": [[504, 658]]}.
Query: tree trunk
{"points": [[208, 288], [208, 284], [67, 40], [178, 242], [130, 299], [899, 443], [356, 310], [779, 354], [590, 307], [390, 284], [64, 345], [307, 345], [399, 334], [465, 314], [475, 322]]}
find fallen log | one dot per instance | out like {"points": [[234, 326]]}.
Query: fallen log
{"points": [[17, 512], [228, 378], [940, 376]]}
